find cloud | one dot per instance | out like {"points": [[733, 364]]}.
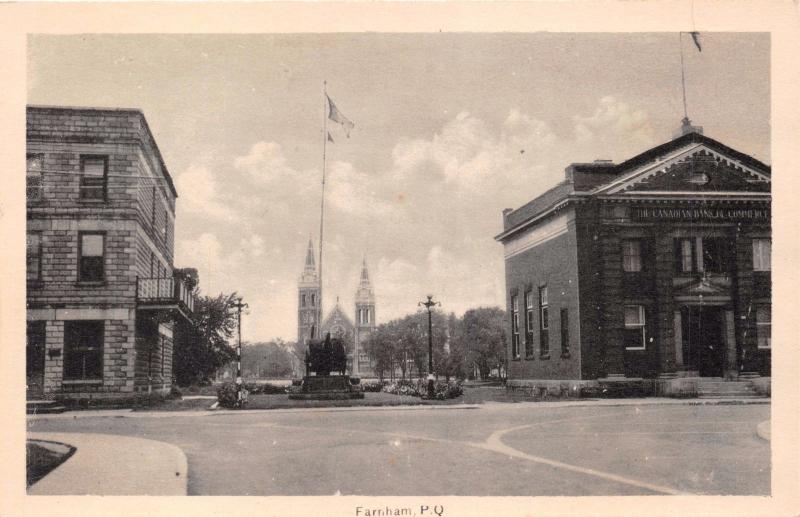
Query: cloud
{"points": [[614, 125], [200, 194], [354, 192], [266, 163], [425, 220]]}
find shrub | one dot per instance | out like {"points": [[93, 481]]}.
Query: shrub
{"points": [[175, 392], [227, 395], [372, 386]]}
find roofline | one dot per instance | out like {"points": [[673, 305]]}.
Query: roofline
{"points": [[692, 137], [136, 111], [638, 160], [537, 217]]}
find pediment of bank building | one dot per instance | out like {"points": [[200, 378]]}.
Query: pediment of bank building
{"points": [[703, 287], [695, 169]]}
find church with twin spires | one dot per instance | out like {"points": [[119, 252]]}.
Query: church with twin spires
{"points": [[337, 322]]}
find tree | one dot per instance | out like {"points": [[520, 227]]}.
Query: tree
{"points": [[482, 338], [201, 346], [272, 359]]}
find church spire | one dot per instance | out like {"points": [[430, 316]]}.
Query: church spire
{"points": [[311, 266], [364, 274]]}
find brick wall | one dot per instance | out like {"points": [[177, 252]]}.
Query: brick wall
{"points": [[553, 263]]}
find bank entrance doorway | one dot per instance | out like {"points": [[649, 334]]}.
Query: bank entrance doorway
{"points": [[704, 339]]}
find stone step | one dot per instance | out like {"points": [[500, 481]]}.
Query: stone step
{"points": [[41, 407]]}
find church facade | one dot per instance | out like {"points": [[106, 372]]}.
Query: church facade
{"points": [[354, 332]]}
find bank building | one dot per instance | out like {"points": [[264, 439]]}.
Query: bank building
{"points": [[656, 269], [354, 332]]}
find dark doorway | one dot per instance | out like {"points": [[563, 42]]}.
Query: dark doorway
{"points": [[703, 340], [34, 361]]}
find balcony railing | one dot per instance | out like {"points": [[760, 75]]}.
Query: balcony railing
{"points": [[164, 291]]}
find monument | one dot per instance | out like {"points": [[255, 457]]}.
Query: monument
{"points": [[323, 358]]}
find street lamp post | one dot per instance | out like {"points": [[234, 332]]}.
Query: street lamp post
{"points": [[239, 381], [428, 305]]}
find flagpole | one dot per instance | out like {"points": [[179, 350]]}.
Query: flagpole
{"points": [[683, 78], [322, 203]]}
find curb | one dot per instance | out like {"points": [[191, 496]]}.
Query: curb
{"points": [[114, 465], [764, 430]]}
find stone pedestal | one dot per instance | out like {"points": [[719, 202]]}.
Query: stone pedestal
{"points": [[327, 387]]}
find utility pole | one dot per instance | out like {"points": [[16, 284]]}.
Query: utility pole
{"points": [[239, 382], [428, 305]]}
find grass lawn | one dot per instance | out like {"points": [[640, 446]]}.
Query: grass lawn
{"points": [[42, 457], [178, 405], [370, 399]]}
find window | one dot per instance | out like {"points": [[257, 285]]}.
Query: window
{"points": [[529, 324], [153, 208], [544, 323], [762, 255], [764, 326], [83, 350], [302, 300], [33, 179], [717, 256], [33, 255], [163, 346], [91, 261], [634, 327], [514, 327], [313, 299], [631, 256], [152, 263], [564, 332], [684, 255], [94, 171], [164, 231]]}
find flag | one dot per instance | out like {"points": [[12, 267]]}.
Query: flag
{"points": [[696, 39], [330, 138], [335, 115]]}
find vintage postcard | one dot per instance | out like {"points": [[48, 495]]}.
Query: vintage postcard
{"points": [[399, 259]]}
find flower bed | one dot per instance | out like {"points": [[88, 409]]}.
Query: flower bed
{"points": [[442, 390]]}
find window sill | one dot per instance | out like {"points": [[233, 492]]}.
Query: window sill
{"points": [[636, 349], [516, 359], [530, 358], [566, 356], [82, 381], [101, 283], [544, 357], [765, 348], [92, 201]]}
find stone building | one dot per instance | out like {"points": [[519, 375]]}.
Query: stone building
{"points": [[102, 297], [337, 322], [654, 268]]}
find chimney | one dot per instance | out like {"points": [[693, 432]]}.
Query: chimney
{"points": [[687, 127]]}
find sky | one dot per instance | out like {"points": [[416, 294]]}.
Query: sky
{"points": [[450, 129]]}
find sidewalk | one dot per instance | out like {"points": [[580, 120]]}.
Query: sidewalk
{"points": [[114, 465], [650, 401]]}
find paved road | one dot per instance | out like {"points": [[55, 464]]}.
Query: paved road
{"points": [[497, 449]]}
